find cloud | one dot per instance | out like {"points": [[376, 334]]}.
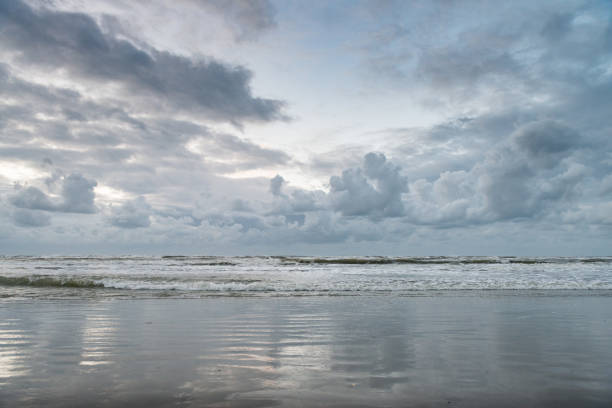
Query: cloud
{"points": [[523, 54], [241, 206], [293, 204], [32, 198], [247, 18], [535, 172], [606, 185], [235, 153], [30, 218], [517, 147], [557, 26], [530, 175], [305, 201], [546, 142], [74, 42], [155, 149], [276, 185], [374, 190], [463, 69], [131, 214], [240, 222], [77, 196]]}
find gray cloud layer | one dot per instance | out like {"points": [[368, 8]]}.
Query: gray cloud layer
{"points": [[524, 157], [74, 42]]}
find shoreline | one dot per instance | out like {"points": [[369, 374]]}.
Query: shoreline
{"points": [[30, 294]]}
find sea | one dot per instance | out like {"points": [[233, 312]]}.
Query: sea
{"points": [[296, 331], [202, 276]]}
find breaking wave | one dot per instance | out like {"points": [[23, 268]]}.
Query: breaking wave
{"points": [[47, 281], [295, 275]]}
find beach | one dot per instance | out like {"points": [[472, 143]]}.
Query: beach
{"points": [[474, 348], [267, 203]]}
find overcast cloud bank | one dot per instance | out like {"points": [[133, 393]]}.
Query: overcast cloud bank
{"points": [[110, 143]]}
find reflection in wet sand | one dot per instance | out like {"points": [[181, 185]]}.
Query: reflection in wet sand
{"points": [[97, 340], [13, 339], [371, 351]]}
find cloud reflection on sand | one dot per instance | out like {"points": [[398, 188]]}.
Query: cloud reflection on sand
{"points": [[313, 351], [13, 338], [97, 340]]}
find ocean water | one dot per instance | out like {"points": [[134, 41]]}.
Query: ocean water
{"points": [[161, 332], [202, 276]]}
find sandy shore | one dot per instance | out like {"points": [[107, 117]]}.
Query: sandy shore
{"points": [[481, 350]]}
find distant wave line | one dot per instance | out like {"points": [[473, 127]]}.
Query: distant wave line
{"points": [[207, 260], [441, 261]]}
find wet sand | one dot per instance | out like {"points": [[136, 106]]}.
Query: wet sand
{"points": [[467, 351]]}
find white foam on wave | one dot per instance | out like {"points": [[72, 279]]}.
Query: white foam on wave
{"points": [[285, 275]]}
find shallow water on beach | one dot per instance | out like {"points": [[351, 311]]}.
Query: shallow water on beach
{"points": [[316, 351]]}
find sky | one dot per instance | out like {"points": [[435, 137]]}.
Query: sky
{"points": [[362, 127]]}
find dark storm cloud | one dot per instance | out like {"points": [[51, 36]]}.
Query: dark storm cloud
{"points": [[75, 42], [77, 196]]}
